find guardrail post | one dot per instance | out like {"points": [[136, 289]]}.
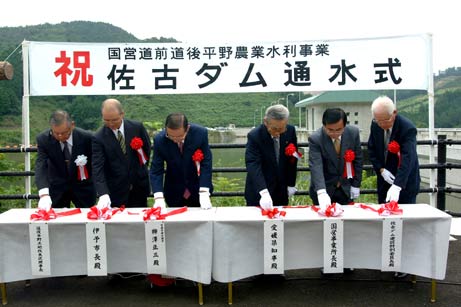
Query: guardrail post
{"points": [[441, 171]]}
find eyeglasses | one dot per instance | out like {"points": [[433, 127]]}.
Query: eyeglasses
{"points": [[62, 134], [382, 121], [176, 138]]}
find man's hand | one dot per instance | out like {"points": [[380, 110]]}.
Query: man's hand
{"points": [[291, 191], [393, 193], [204, 198], [266, 200], [324, 199], [103, 202], [45, 203], [355, 192], [388, 176]]}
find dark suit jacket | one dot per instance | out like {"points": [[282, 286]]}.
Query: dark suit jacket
{"points": [[181, 171], [326, 169], [117, 174], [407, 175], [51, 172], [262, 169]]}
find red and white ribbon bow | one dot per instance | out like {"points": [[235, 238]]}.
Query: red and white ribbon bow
{"points": [[136, 144], [332, 210], [82, 172], [349, 157], [390, 208], [394, 148], [292, 152], [197, 157]]}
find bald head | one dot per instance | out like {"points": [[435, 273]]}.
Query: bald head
{"points": [[112, 113]]}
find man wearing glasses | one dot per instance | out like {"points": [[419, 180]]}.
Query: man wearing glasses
{"points": [[397, 172], [120, 169], [331, 148], [182, 149], [271, 174], [57, 175]]}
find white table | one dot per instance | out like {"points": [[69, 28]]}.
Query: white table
{"points": [[188, 244], [238, 240]]}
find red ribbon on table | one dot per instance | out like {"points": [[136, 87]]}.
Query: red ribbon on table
{"points": [[331, 211], [136, 144], [197, 157], [103, 214], [390, 208], [274, 213], [155, 213], [394, 148], [43, 215], [292, 152], [349, 157]]}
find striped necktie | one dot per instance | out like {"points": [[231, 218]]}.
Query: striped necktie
{"points": [[121, 140]]}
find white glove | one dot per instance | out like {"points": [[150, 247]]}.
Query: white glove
{"points": [[159, 201], [324, 199], [388, 176], [266, 200], [291, 191], [355, 192], [393, 193], [45, 203], [103, 202], [204, 198]]}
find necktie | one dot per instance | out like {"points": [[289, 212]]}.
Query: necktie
{"points": [[277, 148], [121, 140], [67, 155], [387, 136], [181, 146], [337, 144]]}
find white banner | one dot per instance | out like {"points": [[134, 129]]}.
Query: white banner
{"points": [[274, 247], [333, 245], [392, 244], [175, 68], [155, 247], [96, 248]]}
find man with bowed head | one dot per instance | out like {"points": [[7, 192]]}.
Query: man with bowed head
{"points": [[184, 150], [63, 166], [392, 151], [271, 172], [121, 150], [331, 148]]}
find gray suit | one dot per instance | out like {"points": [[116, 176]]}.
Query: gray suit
{"points": [[327, 168]]}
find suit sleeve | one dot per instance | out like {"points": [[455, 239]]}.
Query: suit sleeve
{"points": [[206, 164], [157, 170], [253, 157], [358, 163], [316, 164], [98, 162], [373, 151], [41, 165], [408, 156]]}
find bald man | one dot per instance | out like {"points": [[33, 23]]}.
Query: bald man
{"points": [[120, 177]]}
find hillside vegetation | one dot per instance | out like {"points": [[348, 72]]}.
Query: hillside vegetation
{"points": [[212, 110]]}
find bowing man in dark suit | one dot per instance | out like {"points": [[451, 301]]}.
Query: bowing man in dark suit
{"points": [[121, 150], [271, 174], [57, 176], [329, 149], [177, 148], [397, 172]]}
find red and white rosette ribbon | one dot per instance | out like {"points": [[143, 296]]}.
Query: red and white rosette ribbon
{"points": [[390, 208], [43, 215], [82, 172], [332, 210], [136, 144], [197, 157], [103, 214], [155, 213], [274, 213], [349, 157], [394, 147], [292, 152]]}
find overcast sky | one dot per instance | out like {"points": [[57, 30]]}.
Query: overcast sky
{"points": [[232, 21]]}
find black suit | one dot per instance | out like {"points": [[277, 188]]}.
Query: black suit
{"points": [[119, 175], [51, 171], [262, 169], [407, 175]]}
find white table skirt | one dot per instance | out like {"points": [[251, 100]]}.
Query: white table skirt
{"points": [[238, 241], [188, 245], [226, 243]]}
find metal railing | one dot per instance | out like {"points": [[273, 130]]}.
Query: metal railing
{"points": [[441, 166]]}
